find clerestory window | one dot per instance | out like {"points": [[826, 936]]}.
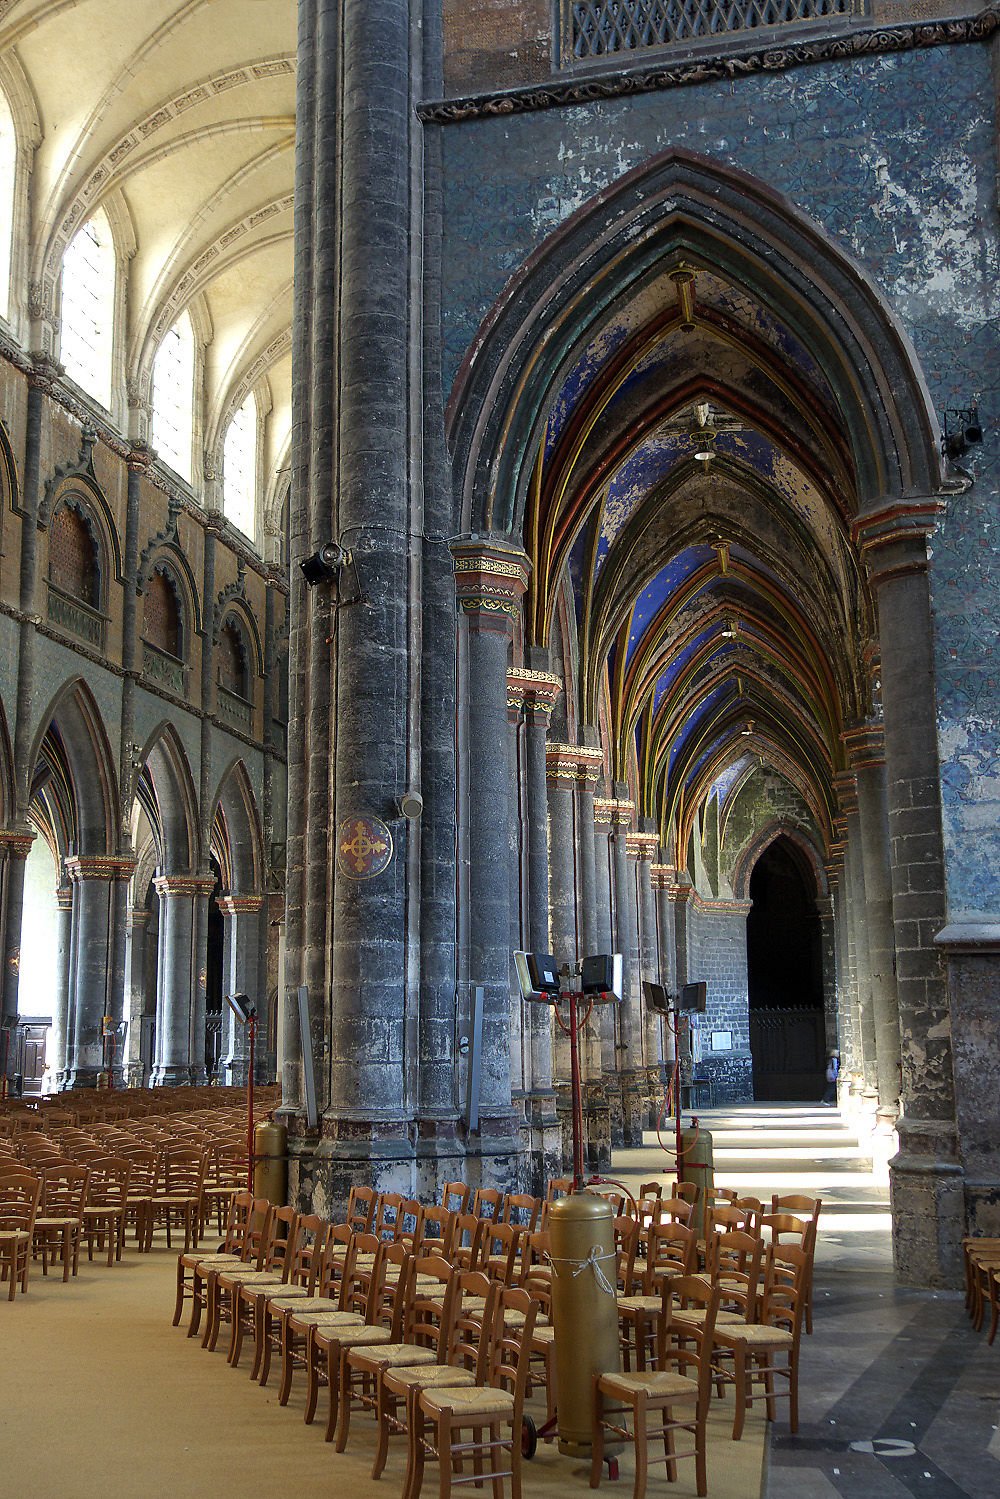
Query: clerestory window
{"points": [[239, 469], [173, 397], [88, 308]]}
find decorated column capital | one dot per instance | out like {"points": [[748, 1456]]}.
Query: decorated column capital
{"points": [[535, 691], [99, 867], [865, 744], [239, 905], [644, 846], [680, 894], [662, 876], [491, 579], [846, 786], [175, 886], [622, 815], [892, 534], [16, 842], [515, 699], [570, 765]]}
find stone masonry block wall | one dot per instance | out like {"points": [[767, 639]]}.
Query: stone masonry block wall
{"points": [[718, 954]]}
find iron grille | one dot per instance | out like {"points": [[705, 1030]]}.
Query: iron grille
{"points": [[604, 27]]}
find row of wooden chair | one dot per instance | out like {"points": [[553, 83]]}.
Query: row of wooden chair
{"points": [[429, 1347]]}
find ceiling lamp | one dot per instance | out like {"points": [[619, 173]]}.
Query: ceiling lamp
{"points": [[730, 631], [747, 731]]}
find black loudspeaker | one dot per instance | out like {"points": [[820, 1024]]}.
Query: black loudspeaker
{"points": [[602, 975], [657, 998], [693, 997]]}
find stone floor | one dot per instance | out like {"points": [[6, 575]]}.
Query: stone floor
{"points": [[898, 1395]]}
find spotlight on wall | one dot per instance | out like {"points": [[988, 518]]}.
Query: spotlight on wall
{"points": [[410, 804], [962, 430], [324, 565]]}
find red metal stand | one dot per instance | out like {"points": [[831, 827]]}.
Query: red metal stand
{"points": [[573, 1032]]}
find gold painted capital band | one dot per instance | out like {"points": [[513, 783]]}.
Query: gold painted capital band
{"points": [[865, 744], [364, 847], [239, 905], [99, 867], [17, 843], [176, 885], [573, 764]]}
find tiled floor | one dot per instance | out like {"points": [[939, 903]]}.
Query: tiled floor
{"points": [[898, 1395]]}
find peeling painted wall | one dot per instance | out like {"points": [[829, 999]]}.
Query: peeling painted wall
{"points": [[896, 158]]}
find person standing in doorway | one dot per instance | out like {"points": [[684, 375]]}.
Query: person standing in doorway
{"points": [[832, 1073]]}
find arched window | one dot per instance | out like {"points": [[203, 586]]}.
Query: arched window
{"points": [[74, 566], [239, 469], [231, 661], [173, 397], [8, 164], [162, 624], [88, 308]]}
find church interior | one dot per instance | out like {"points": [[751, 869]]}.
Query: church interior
{"points": [[481, 478]]}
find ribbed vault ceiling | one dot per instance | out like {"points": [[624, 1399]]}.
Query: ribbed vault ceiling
{"points": [[179, 120]]}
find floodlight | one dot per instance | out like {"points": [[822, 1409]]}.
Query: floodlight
{"points": [[241, 1006], [657, 998], [537, 975], [693, 997], [601, 977]]}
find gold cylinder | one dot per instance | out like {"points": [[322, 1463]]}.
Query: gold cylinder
{"points": [[698, 1166], [270, 1163], [584, 1311]]}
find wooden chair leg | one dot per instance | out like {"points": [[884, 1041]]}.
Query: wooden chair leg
{"points": [[641, 1450]]}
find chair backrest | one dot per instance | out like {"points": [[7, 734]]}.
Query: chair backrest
{"points": [[64, 1191], [802, 1207], [501, 1244], [626, 1244], [455, 1197], [487, 1203], [786, 1280], [734, 1263], [305, 1254], [521, 1209], [409, 1217], [752, 1209], [436, 1229], [511, 1344], [431, 1302], [650, 1189], [361, 1207], [689, 1291], [280, 1250], [184, 1170], [467, 1240], [476, 1298], [690, 1191], [559, 1186], [109, 1179], [536, 1270], [670, 1251], [360, 1272], [397, 1288], [785, 1228], [386, 1214], [674, 1210], [19, 1198]]}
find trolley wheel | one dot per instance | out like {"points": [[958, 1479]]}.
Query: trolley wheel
{"points": [[529, 1438]]}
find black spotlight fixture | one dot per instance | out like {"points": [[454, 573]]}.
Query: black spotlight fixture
{"points": [[323, 566], [962, 430]]}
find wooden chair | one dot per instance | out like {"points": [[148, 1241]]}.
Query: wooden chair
{"points": [[59, 1220], [466, 1363], [424, 1339], [673, 1250], [361, 1207], [247, 1231], [179, 1201], [327, 1339], [356, 1281], [19, 1196], [467, 1241], [437, 1227], [225, 1174], [224, 1283], [768, 1351], [107, 1201], [501, 1246], [682, 1378], [482, 1411], [802, 1207], [300, 1266], [386, 1213]]}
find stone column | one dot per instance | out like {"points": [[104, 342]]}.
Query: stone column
{"points": [[56, 1051], [626, 942], [593, 941], [662, 876], [828, 968], [540, 691], [177, 976], [520, 1020], [648, 845], [490, 581], [135, 992], [15, 848], [240, 975], [928, 1200], [865, 745], [854, 882], [93, 877], [608, 1022]]}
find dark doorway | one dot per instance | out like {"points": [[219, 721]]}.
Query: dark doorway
{"points": [[785, 979]]}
